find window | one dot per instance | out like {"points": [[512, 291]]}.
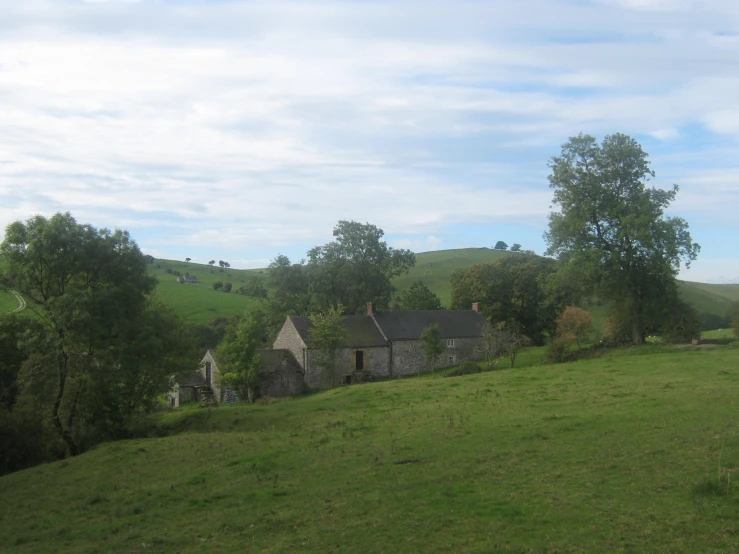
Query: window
{"points": [[359, 360], [452, 360], [208, 373], [450, 343]]}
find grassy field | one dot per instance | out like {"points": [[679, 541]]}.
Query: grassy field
{"points": [[200, 303], [8, 302], [634, 452], [718, 334]]}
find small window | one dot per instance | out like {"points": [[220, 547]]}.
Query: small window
{"points": [[452, 360], [450, 343], [208, 373]]}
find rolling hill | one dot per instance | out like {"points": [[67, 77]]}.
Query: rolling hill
{"points": [[631, 452]]}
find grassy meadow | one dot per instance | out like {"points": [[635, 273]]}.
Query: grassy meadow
{"points": [[637, 451], [8, 302]]}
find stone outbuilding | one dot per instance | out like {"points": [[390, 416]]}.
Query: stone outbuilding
{"points": [[386, 344]]}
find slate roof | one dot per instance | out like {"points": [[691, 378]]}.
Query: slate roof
{"points": [[409, 324], [191, 379], [360, 330], [270, 360]]}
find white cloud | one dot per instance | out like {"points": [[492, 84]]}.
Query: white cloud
{"points": [[245, 125]]}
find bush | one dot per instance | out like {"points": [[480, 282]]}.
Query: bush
{"points": [[218, 285], [557, 352], [227, 287], [465, 368], [253, 287]]}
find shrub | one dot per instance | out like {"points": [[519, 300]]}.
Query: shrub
{"points": [[253, 287], [557, 352], [735, 318], [218, 285], [227, 287], [574, 324], [465, 368]]}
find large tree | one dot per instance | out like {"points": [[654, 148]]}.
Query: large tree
{"points": [[514, 290], [419, 297], [610, 227], [327, 336], [106, 348], [356, 268], [238, 353]]}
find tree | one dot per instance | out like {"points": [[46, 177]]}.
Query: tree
{"points": [[513, 289], [221, 263], [253, 287], [98, 324], [356, 268], [187, 260], [327, 335], [575, 324], [420, 297], [217, 285], [503, 341], [610, 227], [227, 287], [431, 345], [500, 245], [735, 318], [516, 247], [239, 356], [211, 262]]}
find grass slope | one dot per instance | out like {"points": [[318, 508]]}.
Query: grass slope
{"points": [[618, 454], [200, 303], [8, 302]]}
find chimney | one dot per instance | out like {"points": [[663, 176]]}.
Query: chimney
{"points": [[370, 308], [476, 307]]}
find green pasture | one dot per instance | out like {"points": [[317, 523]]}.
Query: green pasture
{"points": [[199, 302], [633, 452], [8, 302], [719, 334]]}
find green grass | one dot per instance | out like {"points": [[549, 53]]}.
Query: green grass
{"points": [[8, 302], [626, 453], [718, 334], [200, 303]]}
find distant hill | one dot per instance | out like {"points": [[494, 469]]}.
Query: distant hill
{"points": [[200, 303]]}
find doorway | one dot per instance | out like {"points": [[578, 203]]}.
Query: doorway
{"points": [[359, 360]]}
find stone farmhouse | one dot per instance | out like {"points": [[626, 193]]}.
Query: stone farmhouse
{"points": [[378, 344]]}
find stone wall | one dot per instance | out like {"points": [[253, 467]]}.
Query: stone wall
{"points": [[408, 358], [285, 381], [215, 375], [376, 361], [289, 339]]}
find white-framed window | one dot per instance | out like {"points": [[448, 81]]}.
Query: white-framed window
{"points": [[452, 360], [450, 343]]}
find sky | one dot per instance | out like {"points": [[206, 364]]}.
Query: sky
{"points": [[243, 130]]}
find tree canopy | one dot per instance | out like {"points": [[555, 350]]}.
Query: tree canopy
{"points": [[238, 354], [419, 297], [513, 290], [500, 245], [327, 335], [105, 347], [610, 227]]}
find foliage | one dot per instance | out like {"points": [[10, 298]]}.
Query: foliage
{"points": [[227, 287], [513, 289], [500, 245], [103, 348], [187, 260], [610, 227], [218, 285], [735, 318], [238, 354], [419, 297], [204, 337], [465, 368], [516, 247], [212, 262], [356, 268], [574, 324], [253, 287], [681, 323], [431, 344], [327, 336], [503, 340]]}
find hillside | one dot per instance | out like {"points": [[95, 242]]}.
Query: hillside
{"points": [[200, 303], [628, 453]]}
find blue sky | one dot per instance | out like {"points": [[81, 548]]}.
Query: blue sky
{"points": [[240, 130]]}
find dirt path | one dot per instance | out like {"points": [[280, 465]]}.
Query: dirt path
{"points": [[21, 302]]}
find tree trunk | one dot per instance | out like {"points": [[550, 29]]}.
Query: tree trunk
{"points": [[636, 323], [64, 432]]}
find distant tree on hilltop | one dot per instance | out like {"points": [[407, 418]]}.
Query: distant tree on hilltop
{"points": [[516, 247], [212, 262], [500, 245]]}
